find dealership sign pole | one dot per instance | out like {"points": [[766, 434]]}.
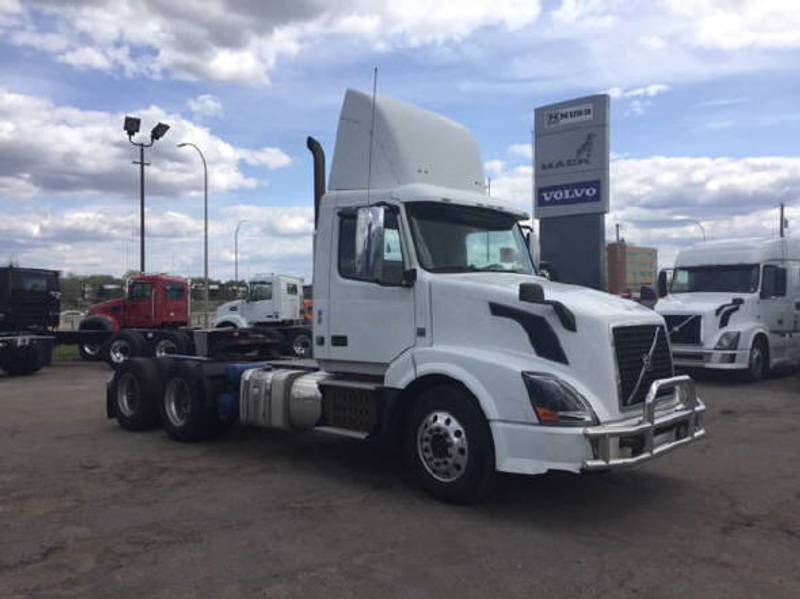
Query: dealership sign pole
{"points": [[571, 187]]}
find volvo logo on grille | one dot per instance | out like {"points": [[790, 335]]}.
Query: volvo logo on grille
{"points": [[647, 362]]}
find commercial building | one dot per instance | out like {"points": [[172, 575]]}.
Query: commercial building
{"points": [[630, 267]]}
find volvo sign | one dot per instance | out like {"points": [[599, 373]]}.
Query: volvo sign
{"points": [[572, 157]]}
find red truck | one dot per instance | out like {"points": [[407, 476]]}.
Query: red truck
{"points": [[146, 321]]}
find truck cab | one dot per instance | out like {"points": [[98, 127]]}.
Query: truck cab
{"points": [[30, 303], [30, 299], [272, 300], [150, 301], [735, 305]]}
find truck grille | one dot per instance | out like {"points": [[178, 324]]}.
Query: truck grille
{"points": [[684, 329], [631, 344]]}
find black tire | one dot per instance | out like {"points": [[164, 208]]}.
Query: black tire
{"points": [[25, 361], [93, 352], [758, 361], [135, 394], [449, 445], [124, 346], [186, 414], [168, 343]]}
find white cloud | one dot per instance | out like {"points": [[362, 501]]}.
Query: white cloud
{"points": [[521, 150], [97, 239], [205, 105], [229, 40], [648, 91], [741, 24], [51, 149]]}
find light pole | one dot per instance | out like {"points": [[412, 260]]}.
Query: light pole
{"points": [[131, 127], [205, 223], [699, 224], [236, 250]]}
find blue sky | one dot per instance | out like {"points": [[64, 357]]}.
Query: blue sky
{"points": [[705, 113]]}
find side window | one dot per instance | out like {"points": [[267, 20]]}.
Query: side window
{"points": [[773, 283], [176, 292], [291, 289], [140, 291], [392, 249], [260, 292]]}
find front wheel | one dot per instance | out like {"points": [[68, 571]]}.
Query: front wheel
{"points": [[449, 445], [758, 362]]}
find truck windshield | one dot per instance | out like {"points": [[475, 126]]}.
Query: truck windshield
{"points": [[738, 278], [453, 238]]}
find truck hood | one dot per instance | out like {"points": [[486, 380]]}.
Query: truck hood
{"points": [[583, 302], [228, 308], [105, 307], [696, 303], [481, 311]]}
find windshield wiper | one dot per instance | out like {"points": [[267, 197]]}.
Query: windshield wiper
{"points": [[454, 269]]}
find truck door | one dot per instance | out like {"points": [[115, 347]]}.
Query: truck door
{"points": [[174, 306], [777, 310], [140, 305], [793, 293], [370, 320]]}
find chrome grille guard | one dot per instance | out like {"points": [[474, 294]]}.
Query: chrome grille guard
{"points": [[637, 437]]}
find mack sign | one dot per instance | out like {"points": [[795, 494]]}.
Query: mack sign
{"points": [[571, 156]]}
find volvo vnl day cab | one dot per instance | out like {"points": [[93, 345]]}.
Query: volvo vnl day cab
{"points": [[734, 305], [433, 332], [273, 302]]}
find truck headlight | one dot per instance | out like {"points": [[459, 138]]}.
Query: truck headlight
{"points": [[555, 402], [729, 340]]}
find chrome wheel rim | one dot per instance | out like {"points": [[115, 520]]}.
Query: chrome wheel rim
{"points": [[165, 347], [119, 351], [301, 345], [442, 446], [177, 402], [91, 350], [128, 395]]}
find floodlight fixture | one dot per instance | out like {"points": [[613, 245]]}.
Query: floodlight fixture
{"points": [[132, 125], [159, 131]]}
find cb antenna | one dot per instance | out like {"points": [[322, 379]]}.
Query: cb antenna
{"points": [[371, 133]]}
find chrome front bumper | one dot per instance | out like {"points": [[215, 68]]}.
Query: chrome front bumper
{"points": [[653, 433]]}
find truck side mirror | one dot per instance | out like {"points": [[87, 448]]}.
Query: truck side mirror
{"points": [[369, 242], [547, 271], [662, 283], [648, 296]]}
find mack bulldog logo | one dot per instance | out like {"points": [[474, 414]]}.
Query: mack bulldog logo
{"points": [[569, 193], [583, 156], [568, 115]]}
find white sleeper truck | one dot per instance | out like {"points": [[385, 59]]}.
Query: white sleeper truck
{"points": [[273, 302], [735, 305], [433, 331]]}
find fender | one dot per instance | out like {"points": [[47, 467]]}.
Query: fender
{"points": [[422, 362], [112, 323], [234, 319]]}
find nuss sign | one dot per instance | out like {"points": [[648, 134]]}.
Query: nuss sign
{"points": [[569, 193], [571, 157]]}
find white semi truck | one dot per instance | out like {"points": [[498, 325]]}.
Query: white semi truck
{"points": [[734, 305], [433, 331], [273, 302]]}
